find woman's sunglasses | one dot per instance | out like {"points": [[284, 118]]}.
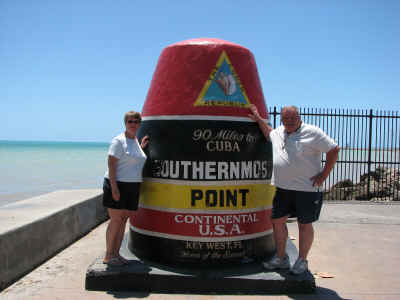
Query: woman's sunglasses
{"points": [[133, 121]]}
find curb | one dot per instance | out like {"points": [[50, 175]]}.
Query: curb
{"points": [[34, 230]]}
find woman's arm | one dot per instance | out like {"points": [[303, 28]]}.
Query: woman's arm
{"points": [[145, 141], [112, 173]]}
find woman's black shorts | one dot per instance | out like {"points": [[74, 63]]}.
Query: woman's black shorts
{"points": [[129, 195]]}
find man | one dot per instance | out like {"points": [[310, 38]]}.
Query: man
{"points": [[297, 150]]}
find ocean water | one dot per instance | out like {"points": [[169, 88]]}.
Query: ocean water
{"points": [[31, 168], [352, 164]]}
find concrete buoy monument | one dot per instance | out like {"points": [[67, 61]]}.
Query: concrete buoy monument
{"points": [[206, 197]]}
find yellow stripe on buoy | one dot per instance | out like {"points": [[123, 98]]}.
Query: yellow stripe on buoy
{"points": [[206, 197]]}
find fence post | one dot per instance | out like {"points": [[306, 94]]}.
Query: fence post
{"points": [[369, 153]]}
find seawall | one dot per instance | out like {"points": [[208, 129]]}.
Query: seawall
{"points": [[35, 229]]}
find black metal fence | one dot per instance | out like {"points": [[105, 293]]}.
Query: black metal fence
{"points": [[368, 167]]}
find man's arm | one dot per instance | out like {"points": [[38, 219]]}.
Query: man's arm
{"points": [[331, 158], [255, 116]]}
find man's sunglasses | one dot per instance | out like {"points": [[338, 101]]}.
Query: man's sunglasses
{"points": [[133, 121]]}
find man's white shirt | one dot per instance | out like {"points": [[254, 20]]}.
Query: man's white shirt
{"points": [[297, 156]]}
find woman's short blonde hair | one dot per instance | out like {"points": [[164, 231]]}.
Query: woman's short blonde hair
{"points": [[132, 114]]}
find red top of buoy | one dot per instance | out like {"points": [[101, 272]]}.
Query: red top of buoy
{"points": [[206, 41], [204, 76]]}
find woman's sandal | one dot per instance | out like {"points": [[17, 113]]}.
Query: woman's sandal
{"points": [[115, 261], [124, 260]]}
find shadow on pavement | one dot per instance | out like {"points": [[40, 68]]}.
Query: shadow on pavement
{"points": [[320, 294]]}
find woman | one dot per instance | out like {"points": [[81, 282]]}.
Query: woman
{"points": [[122, 183]]}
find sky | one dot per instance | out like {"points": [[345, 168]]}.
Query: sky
{"points": [[69, 70]]}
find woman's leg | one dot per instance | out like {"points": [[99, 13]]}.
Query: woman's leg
{"points": [[112, 233], [121, 232]]}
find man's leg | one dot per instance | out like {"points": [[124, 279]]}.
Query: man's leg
{"points": [[280, 235], [308, 207], [280, 260], [279, 216], [306, 238]]}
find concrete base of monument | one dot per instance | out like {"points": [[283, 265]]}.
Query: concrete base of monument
{"points": [[246, 278]]}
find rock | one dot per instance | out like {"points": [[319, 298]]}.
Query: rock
{"points": [[343, 184], [384, 185], [338, 194]]}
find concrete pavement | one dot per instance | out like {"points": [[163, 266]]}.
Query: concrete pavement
{"points": [[356, 243]]}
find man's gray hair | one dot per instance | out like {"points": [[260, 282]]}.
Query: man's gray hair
{"points": [[290, 107]]}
